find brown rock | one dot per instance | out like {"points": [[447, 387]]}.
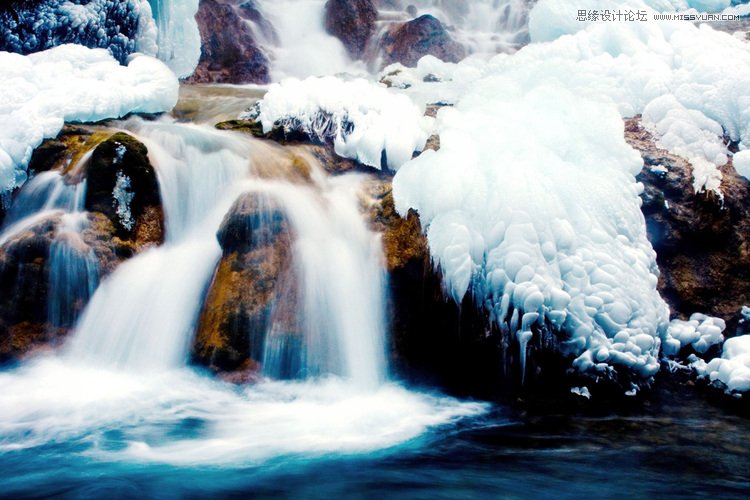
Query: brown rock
{"points": [[408, 42], [352, 22], [702, 243], [252, 292], [229, 51]]}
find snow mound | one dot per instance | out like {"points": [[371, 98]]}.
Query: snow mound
{"points": [[732, 369], [531, 205], [365, 121], [700, 331], [691, 83], [41, 91]]}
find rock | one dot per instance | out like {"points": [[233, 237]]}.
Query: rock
{"points": [[122, 185], [702, 244], [252, 294], [24, 280], [229, 51], [28, 321], [352, 22], [408, 42]]}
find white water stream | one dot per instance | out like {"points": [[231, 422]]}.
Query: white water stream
{"points": [[121, 388]]}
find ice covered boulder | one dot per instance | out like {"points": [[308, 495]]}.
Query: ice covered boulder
{"points": [[362, 120], [120, 26], [407, 43], [700, 332], [352, 22]]}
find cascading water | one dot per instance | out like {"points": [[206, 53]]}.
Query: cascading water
{"points": [[339, 266], [121, 390], [72, 266], [142, 317], [484, 27], [304, 47]]}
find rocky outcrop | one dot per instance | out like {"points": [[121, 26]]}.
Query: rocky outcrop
{"points": [[24, 279], [46, 254], [229, 50], [702, 243], [352, 22], [252, 294], [408, 42]]}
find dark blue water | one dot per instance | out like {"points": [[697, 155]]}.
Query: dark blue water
{"points": [[677, 444]]}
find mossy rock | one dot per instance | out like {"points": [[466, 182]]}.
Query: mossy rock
{"points": [[251, 290], [121, 182]]}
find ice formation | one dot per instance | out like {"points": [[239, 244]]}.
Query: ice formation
{"points": [[689, 82], [538, 215], [70, 83], [741, 162], [121, 26], [700, 331], [178, 40], [732, 369], [122, 196], [364, 120]]}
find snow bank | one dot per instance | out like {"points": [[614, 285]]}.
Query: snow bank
{"points": [[700, 331], [532, 205], [732, 369], [70, 83], [364, 120], [692, 84]]}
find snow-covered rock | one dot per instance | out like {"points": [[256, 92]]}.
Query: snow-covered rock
{"points": [[71, 83]]}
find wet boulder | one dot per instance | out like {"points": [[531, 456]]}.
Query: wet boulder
{"points": [[24, 286], [408, 42], [229, 50], [122, 185], [252, 295], [352, 22]]}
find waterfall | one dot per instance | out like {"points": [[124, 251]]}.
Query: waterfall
{"points": [[142, 317], [339, 265], [304, 47], [72, 266], [484, 27], [121, 390]]}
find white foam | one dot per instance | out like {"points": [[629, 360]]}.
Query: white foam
{"points": [[180, 417]]}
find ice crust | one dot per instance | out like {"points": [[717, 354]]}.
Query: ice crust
{"points": [[364, 120], [700, 331], [732, 369], [121, 26], [70, 83]]}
